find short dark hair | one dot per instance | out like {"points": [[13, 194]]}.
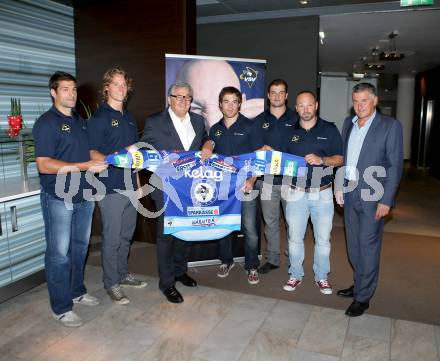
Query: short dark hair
{"points": [[365, 86], [277, 82], [59, 76], [230, 90], [307, 92]]}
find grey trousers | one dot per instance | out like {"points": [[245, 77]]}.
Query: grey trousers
{"points": [[118, 217], [270, 206]]}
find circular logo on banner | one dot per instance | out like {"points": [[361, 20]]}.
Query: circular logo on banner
{"points": [[203, 192]]}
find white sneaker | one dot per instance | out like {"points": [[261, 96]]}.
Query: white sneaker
{"points": [[132, 281], [253, 277], [68, 319], [291, 284], [224, 269], [116, 294], [86, 300], [325, 287]]}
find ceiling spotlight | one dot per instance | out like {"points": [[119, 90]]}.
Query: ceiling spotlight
{"points": [[321, 37], [357, 76], [303, 2], [392, 54], [373, 66]]}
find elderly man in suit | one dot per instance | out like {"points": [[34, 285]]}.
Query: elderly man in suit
{"points": [[174, 129], [373, 160]]}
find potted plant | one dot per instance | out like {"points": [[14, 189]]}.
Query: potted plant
{"points": [[15, 119]]}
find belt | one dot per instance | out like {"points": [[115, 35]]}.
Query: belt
{"points": [[311, 190]]}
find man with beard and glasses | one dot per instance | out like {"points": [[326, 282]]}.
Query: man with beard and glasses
{"points": [[311, 196]]}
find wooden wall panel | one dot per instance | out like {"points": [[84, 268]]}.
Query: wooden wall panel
{"points": [[290, 46], [134, 35]]}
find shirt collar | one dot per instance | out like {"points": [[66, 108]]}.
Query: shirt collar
{"points": [[175, 118], [106, 106], [297, 125], [239, 120], [289, 113], [367, 123], [57, 112]]}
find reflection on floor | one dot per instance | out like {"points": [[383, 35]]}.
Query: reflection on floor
{"points": [[210, 325]]}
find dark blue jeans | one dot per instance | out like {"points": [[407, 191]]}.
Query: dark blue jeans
{"points": [[67, 238], [249, 229]]}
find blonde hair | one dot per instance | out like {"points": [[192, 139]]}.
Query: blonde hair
{"points": [[108, 77]]}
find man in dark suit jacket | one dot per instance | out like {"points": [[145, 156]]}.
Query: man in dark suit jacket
{"points": [[373, 160], [175, 129]]}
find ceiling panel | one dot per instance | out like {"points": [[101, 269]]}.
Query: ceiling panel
{"points": [[208, 10], [352, 28]]}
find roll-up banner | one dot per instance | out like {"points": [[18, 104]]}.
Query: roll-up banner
{"points": [[208, 75]]}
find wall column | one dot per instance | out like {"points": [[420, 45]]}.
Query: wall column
{"points": [[405, 109]]}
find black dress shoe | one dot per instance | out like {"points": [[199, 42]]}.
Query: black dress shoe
{"points": [[173, 295], [186, 280], [267, 267], [346, 292], [357, 308]]}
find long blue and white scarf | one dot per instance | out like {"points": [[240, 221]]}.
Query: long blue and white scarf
{"points": [[203, 198]]}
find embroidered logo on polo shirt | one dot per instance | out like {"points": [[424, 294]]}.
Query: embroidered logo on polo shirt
{"points": [[265, 125], [287, 124], [115, 123], [235, 133], [295, 138], [65, 128], [324, 138], [218, 133]]}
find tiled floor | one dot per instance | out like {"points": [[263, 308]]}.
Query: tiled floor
{"points": [[210, 325]]}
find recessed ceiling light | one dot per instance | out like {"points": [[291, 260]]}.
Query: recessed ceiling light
{"points": [[358, 75], [321, 37], [303, 2]]}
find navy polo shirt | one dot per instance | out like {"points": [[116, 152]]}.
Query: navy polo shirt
{"points": [[240, 138], [110, 131], [61, 137], [272, 129], [323, 139]]}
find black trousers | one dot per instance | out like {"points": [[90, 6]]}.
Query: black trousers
{"points": [[172, 256]]}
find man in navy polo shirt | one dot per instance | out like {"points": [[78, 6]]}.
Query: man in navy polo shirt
{"points": [[235, 134], [111, 129], [62, 157], [273, 123], [320, 143]]}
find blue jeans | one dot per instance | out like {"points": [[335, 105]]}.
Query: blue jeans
{"points": [[249, 229], [67, 237], [319, 206]]}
